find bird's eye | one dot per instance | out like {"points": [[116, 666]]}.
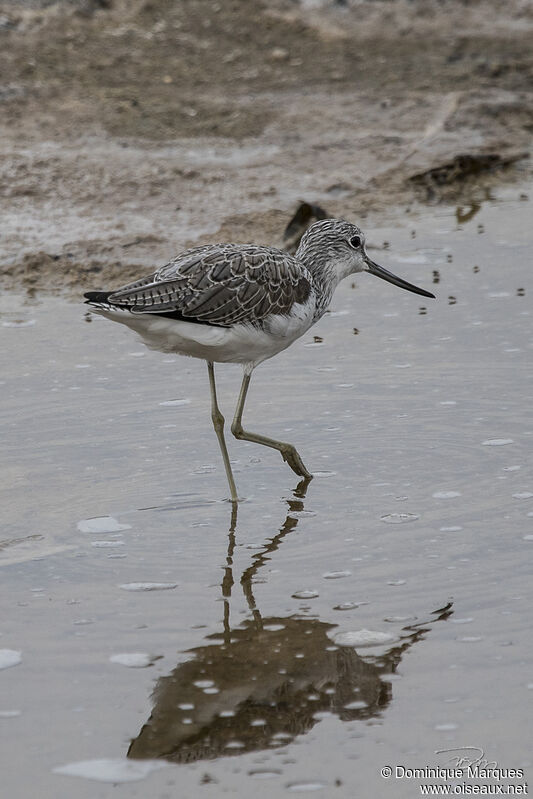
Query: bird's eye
{"points": [[355, 241]]}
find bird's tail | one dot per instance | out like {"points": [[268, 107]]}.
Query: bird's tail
{"points": [[97, 297]]}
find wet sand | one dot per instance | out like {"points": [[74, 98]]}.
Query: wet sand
{"points": [[130, 130]]}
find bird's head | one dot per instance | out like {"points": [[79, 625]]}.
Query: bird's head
{"points": [[336, 245]]}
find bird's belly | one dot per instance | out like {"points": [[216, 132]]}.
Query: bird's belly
{"points": [[242, 343]]}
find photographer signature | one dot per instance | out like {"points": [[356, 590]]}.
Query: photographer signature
{"points": [[471, 756]]}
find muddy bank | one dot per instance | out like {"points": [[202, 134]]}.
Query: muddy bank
{"points": [[131, 130]]}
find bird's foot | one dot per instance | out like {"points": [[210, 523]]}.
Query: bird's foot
{"points": [[292, 458]]}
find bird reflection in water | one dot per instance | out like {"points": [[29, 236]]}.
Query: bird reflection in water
{"points": [[259, 685]]}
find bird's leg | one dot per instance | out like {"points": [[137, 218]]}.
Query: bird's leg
{"points": [[218, 424], [288, 452]]}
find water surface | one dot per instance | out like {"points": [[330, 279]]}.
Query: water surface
{"points": [[367, 619]]}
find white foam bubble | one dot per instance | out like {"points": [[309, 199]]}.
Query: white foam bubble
{"points": [[102, 524], [110, 769], [134, 660], [9, 657], [399, 518]]}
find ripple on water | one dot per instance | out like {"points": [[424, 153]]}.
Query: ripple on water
{"points": [[446, 494], [497, 442]]}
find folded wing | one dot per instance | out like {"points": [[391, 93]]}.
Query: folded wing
{"points": [[220, 285]]}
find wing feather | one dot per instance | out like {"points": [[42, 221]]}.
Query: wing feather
{"points": [[220, 285]]}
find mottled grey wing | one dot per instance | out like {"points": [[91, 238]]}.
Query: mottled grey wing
{"points": [[220, 285]]}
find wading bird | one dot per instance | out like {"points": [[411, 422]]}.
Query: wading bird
{"points": [[241, 303]]}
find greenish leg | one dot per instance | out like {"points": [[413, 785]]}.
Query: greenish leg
{"points": [[288, 451], [218, 424]]}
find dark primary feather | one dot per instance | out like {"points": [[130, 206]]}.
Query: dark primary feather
{"points": [[218, 285]]}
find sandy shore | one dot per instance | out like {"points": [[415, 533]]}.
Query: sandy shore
{"points": [[132, 129]]}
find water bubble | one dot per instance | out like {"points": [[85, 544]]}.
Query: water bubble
{"points": [[9, 657], [301, 514], [263, 774], [523, 495], [174, 402], [106, 544], [399, 518], [134, 660], [349, 605], [110, 770], [305, 786], [19, 323], [148, 586], [335, 575], [101, 524], [305, 594], [360, 638]]}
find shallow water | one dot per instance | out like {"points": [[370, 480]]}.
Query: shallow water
{"points": [[366, 620]]}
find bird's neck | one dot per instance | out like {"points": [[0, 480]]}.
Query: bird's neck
{"points": [[327, 274]]}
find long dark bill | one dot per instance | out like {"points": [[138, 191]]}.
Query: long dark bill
{"points": [[379, 271]]}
